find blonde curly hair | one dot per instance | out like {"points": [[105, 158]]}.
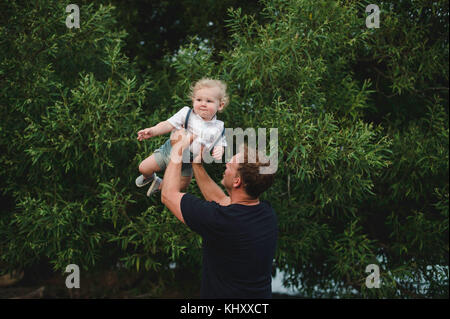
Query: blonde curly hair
{"points": [[211, 83]]}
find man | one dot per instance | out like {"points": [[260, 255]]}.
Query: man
{"points": [[239, 231]]}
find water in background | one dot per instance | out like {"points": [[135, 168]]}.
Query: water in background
{"points": [[279, 289]]}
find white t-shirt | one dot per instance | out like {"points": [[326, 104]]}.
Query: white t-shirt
{"points": [[207, 132]]}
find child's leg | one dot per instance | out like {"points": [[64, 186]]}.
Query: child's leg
{"points": [[149, 166]]}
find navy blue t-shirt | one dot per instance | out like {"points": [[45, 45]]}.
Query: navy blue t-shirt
{"points": [[239, 245]]}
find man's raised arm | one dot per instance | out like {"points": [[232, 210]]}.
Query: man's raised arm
{"points": [[210, 190], [170, 192]]}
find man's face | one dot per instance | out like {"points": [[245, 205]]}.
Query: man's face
{"points": [[231, 172]]}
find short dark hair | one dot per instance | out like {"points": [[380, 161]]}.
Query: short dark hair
{"points": [[253, 181]]}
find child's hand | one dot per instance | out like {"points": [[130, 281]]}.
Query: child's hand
{"points": [[217, 152], [145, 134]]}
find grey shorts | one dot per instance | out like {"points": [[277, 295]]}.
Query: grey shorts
{"points": [[162, 158]]}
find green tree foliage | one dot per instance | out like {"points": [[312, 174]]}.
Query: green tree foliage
{"points": [[407, 60], [362, 118], [71, 106], [159, 27], [359, 183]]}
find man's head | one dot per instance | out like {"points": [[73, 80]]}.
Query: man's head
{"points": [[243, 172], [209, 97]]}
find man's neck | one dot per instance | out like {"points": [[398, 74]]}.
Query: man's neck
{"points": [[247, 203], [243, 200]]}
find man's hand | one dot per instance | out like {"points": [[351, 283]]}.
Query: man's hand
{"points": [[198, 158], [217, 152], [145, 134], [181, 138]]}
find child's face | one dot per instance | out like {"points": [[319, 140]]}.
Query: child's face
{"points": [[206, 102]]}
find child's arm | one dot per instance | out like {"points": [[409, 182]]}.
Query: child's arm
{"points": [[159, 129]]}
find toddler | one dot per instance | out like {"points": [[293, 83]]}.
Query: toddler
{"points": [[208, 97]]}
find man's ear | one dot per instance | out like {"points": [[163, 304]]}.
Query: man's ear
{"points": [[237, 182]]}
